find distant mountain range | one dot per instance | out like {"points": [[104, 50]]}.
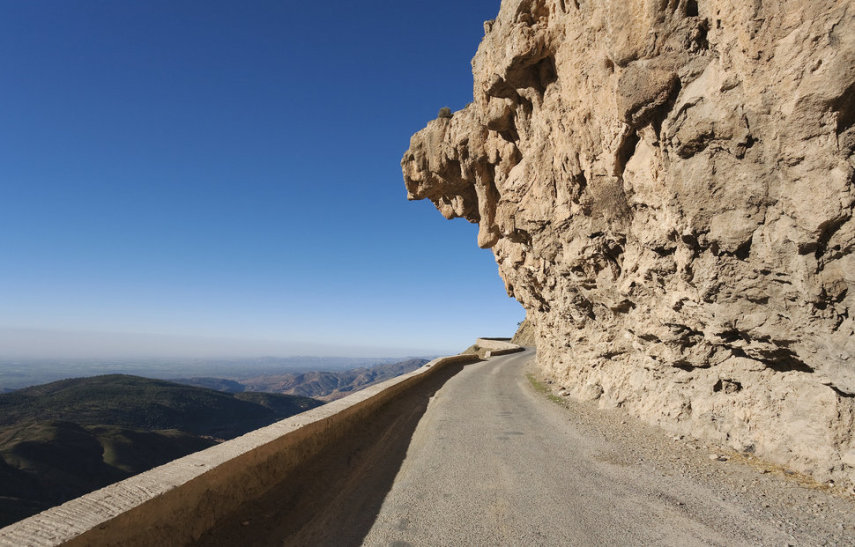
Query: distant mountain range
{"points": [[63, 439], [21, 373], [322, 385]]}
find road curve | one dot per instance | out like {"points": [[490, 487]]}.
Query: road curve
{"points": [[475, 456], [492, 462]]}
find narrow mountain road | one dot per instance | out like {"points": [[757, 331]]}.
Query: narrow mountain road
{"points": [[474, 456], [493, 462]]}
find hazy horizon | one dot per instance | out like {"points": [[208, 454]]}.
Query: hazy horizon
{"points": [[58, 344]]}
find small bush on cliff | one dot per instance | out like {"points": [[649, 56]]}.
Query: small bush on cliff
{"points": [[444, 112]]}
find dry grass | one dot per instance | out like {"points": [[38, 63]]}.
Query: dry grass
{"points": [[544, 389]]}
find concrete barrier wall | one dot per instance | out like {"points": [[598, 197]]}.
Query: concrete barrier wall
{"points": [[176, 503], [498, 346], [496, 352]]}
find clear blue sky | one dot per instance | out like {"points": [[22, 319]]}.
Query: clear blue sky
{"points": [[231, 170]]}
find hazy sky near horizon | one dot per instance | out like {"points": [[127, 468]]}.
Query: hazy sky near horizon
{"points": [[215, 171]]}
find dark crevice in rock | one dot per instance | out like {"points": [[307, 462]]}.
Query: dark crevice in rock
{"points": [[686, 336], [546, 74], [699, 40], [525, 108], [714, 248], [684, 330], [727, 386], [685, 365], [779, 360], [845, 108], [657, 115], [453, 172], [625, 151], [582, 183], [841, 393], [692, 8], [831, 228], [664, 251], [743, 250], [613, 252], [783, 343], [624, 306], [695, 146], [744, 146], [691, 242], [510, 133], [610, 65], [520, 236]]}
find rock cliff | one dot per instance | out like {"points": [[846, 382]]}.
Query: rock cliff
{"points": [[667, 187]]}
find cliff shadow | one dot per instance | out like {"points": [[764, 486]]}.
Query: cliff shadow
{"points": [[335, 498]]}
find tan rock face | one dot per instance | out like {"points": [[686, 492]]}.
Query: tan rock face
{"points": [[668, 189]]}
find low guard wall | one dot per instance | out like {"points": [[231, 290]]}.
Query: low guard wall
{"points": [[174, 504], [498, 346]]}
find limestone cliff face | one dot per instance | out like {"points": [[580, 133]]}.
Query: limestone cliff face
{"points": [[668, 189]]}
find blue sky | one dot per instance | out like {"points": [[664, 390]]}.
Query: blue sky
{"points": [[230, 170]]}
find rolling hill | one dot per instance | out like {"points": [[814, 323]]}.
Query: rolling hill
{"points": [[322, 385], [63, 439]]}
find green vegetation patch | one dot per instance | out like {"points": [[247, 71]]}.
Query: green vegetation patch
{"points": [[543, 389]]}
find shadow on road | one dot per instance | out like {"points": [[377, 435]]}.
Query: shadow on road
{"points": [[335, 498]]}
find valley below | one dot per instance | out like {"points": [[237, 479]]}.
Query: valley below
{"points": [[66, 438]]}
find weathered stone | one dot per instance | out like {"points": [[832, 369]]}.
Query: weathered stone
{"points": [[525, 334], [668, 189]]}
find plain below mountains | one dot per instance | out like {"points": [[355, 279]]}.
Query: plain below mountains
{"points": [[61, 440], [325, 385]]}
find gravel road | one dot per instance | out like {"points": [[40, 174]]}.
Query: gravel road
{"points": [[494, 462]]}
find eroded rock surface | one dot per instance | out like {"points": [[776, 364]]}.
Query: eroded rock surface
{"points": [[668, 189]]}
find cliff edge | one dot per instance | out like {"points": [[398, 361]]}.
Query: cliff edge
{"points": [[668, 188]]}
